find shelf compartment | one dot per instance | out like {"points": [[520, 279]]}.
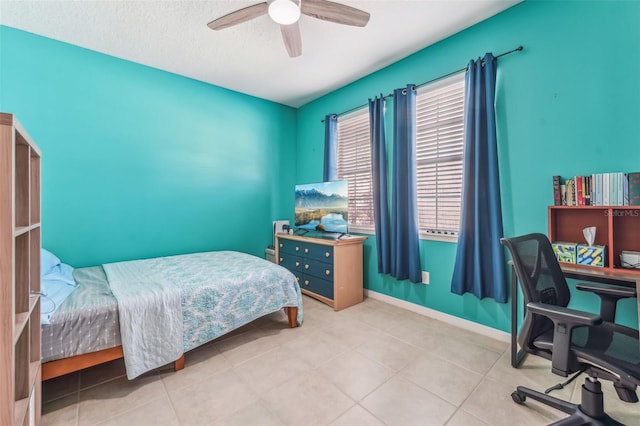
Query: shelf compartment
{"points": [[566, 224], [34, 258], [626, 233], [19, 323], [22, 185], [22, 259], [22, 319], [21, 366], [34, 330], [34, 198], [617, 228]]}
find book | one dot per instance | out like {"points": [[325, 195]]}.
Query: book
{"points": [[605, 189], [570, 185], [625, 190], [634, 188], [594, 190], [579, 193], [587, 190], [557, 195], [620, 198]]}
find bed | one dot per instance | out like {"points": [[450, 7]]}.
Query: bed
{"points": [[152, 311]]}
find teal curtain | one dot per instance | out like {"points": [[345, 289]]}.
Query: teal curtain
{"points": [[330, 171], [379, 183], [405, 249], [480, 263]]}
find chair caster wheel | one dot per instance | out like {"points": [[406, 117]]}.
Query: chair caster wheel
{"points": [[518, 398]]}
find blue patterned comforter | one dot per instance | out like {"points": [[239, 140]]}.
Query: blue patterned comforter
{"points": [[217, 291]]}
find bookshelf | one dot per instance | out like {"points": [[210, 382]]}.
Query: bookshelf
{"points": [[20, 242], [617, 228]]}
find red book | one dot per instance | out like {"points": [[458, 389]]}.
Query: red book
{"points": [[579, 191]]}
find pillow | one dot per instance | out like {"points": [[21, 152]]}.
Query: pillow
{"points": [[52, 293], [47, 261], [61, 272], [56, 284]]}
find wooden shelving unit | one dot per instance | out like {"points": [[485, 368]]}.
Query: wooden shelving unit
{"points": [[20, 242], [617, 228]]}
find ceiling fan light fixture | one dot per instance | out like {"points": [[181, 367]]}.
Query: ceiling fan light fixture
{"points": [[284, 12]]}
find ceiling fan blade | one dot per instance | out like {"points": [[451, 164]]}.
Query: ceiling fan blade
{"points": [[335, 12], [292, 39], [239, 16]]}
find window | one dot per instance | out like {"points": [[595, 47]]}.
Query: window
{"points": [[439, 145], [354, 165]]}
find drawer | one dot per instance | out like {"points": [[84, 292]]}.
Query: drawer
{"points": [[290, 261], [318, 251], [289, 246], [318, 269], [317, 286]]}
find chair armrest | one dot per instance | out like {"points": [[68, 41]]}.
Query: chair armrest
{"points": [[564, 321], [561, 315], [609, 296], [611, 290]]}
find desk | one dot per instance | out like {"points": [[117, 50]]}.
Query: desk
{"points": [[619, 277]]}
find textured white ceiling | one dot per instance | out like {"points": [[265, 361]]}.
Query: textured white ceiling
{"points": [[172, 35]]}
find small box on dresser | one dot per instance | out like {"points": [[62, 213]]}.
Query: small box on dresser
{"points": [[327, 270]]}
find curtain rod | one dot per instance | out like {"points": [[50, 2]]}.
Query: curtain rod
{"points": [[390, 95]]}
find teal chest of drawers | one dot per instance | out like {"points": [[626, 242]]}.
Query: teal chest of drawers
{"points": [[327, 270]]}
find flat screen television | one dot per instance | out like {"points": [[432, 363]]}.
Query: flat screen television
{"points": [[322, 206]]}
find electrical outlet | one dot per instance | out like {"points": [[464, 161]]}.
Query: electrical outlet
{"points": [[425, 277]]}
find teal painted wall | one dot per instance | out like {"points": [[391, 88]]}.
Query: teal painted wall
{"points": [[139, 162], [567, 105]]}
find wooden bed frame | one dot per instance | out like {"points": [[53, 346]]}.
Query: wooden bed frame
{"points": [[64, 366]]}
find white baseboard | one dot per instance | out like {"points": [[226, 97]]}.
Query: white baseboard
{"points": [[441, 316]]}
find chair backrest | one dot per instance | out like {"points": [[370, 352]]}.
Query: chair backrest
{"points": [[541, 280]]}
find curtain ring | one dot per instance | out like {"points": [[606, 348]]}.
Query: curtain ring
{"points": [[404, 91]]}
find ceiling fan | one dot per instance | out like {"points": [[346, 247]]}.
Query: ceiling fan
{"points": [[287, 12]]}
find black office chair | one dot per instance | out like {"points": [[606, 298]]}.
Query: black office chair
{"points": [[574, 341]]}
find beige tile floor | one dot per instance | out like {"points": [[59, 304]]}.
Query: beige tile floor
{"points": [[371, 364]]}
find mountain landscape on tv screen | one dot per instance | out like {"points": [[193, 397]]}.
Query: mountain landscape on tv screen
{"points": [[320, 211], [314, 198]]}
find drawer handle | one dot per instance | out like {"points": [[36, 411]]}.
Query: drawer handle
{"points": [[306, 266], [297, 263], [281, 245], [280, 260], [327, 272], [297, 248], [306, 250], [327, 254], [298, 279], [306, 282]]}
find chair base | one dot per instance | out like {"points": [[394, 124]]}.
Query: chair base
{"points": [[589, 412]]}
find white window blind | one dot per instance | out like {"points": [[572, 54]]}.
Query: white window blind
{"points": [[354, 165], [439, 145]]}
